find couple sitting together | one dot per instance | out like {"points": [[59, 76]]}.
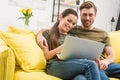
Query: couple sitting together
{"points": [[78, 69]]}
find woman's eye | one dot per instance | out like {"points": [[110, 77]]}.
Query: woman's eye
{"points": [[70, 21]]}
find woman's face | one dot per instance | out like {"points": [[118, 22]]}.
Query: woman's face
{"points": [[67, 23]]}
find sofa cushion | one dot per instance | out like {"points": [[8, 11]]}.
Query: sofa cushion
{"points": [[28, 54], [19, 30], [2, 42], [7, 62], [21, 75], [114, 79], [115, 41]]}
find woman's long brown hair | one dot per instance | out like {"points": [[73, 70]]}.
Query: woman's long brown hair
{"points": [[54, 32]]}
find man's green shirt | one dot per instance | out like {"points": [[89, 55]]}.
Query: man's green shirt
{"points": [[95, 34]]}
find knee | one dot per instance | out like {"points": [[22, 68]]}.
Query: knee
{"points": [[92, 63], [80, 77]]}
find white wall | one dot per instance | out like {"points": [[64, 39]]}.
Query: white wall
{"points": [[9, 16], [42, 18], [106, 10]]}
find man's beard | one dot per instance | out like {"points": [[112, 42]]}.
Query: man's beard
{"points": [[87, 24]]}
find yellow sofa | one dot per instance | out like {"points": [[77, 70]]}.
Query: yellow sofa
{"points": [[22, 59]]}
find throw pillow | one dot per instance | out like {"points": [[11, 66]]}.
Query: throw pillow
{"points": [[28, 54], [19, 30], [2, 42]]}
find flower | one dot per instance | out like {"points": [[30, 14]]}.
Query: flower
{"points": [[27, 13]]}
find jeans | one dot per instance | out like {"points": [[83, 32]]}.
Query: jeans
{"points": [[113, 70], [80, 77], [72, 69]]}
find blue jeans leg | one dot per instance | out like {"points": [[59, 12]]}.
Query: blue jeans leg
{"points": [[80, 77], [103, 75], [113, 70], [69, 69]]}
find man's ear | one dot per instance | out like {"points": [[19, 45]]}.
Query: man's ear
{"points": [[95, 14]]}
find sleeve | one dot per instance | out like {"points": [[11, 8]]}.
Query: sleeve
{"points": [[46, 34], [73, 31], [107, 39]]}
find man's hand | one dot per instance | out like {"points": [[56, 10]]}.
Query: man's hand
{"points": [[41, 41], [110, 58], [102, 64]]}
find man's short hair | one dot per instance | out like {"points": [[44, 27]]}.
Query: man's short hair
{"points": [[88, 5]]}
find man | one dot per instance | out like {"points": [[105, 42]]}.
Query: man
{"points": [[106, 63]]}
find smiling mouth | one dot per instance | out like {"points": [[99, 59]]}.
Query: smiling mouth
{"points": [[68, 28], [86, 22]]}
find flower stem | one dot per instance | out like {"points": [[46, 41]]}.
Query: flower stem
{"points": [[26, 20]]}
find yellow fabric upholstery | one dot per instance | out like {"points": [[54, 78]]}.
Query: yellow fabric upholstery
{"points": [[2, 43], [19, 30], [7, 62], [16, 39], [21, 75], [28, 54], [114, 79], [115, 41]]}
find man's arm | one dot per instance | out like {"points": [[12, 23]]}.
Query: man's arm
{"points": [[49, 54], [41, 41], [103, 64], [110, 54]]}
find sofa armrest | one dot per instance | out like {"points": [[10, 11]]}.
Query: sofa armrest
{"points": [[7, 63]]}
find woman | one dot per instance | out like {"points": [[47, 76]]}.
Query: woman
{"points": [[73, 69]]}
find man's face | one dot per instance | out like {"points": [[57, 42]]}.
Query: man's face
{"points": [[87, 17]]}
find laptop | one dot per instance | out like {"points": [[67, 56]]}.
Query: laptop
{"points": [[79, 48]]}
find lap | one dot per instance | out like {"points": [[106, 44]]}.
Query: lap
{"points": [[78, 64], [69, 68]]}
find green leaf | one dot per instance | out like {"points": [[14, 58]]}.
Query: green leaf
{"points": [[21, 18]]}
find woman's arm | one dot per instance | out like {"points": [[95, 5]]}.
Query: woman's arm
{"points": [[50, 54]]}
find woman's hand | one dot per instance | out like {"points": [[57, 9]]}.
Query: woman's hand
{"points": [[50, 54]]}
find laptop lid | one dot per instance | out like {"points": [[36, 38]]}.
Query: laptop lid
{"points": [[75, 47]]}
